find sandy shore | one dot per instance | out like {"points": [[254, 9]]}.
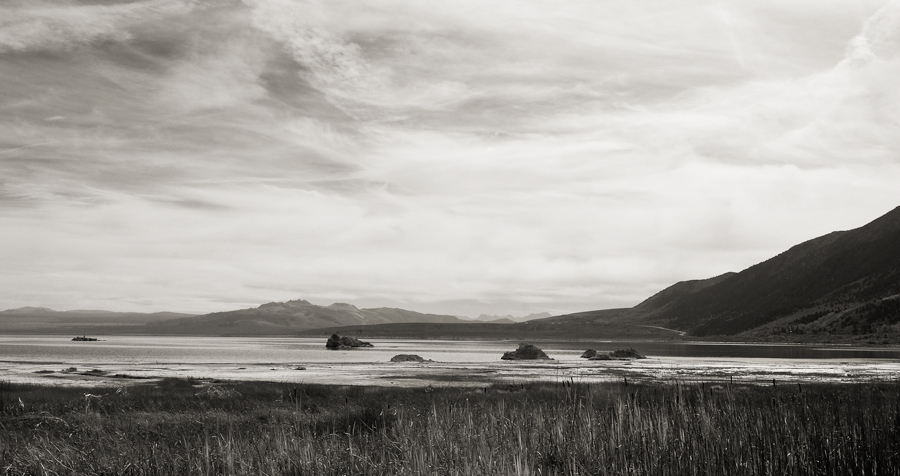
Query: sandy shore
{"points": [[662, 369]]}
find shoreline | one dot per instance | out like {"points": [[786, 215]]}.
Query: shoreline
{"points": [[117, 361], [866, 341], [662, 370]]}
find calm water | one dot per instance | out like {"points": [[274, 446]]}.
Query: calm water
{"points": [[255, 350]]}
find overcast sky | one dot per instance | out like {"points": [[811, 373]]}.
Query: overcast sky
{"points": [[446, 156]]}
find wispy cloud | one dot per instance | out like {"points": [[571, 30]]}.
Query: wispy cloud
{"points": [[443, 156], [38, 25]]}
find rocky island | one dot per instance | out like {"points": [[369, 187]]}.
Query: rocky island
{"points": [[618, 354], [336, 342], [84, 339], [408, 358], [525, 352]]}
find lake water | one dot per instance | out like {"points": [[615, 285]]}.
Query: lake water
{"points": [[113, 358]]}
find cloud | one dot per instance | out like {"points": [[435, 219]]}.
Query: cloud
{"points": [[214, 80], [331, 63], [37, 26], [446, 156], [880, 37]]}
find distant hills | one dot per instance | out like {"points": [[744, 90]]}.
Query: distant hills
{"points": [[279, 318], [841, 287], [509, 318], [47, 321], [274, 318]]}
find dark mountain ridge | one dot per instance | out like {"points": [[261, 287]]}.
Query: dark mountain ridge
{"points": [[679, 290], [844, 282], [276, 318]]}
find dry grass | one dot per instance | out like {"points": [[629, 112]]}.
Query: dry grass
{"points": [[181, 427]]}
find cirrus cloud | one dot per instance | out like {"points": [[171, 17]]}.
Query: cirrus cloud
{"points": [[450, 157]]}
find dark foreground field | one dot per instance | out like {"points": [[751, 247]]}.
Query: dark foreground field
{"points": [[185, 427]]}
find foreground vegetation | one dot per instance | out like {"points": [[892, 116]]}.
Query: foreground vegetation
{"points": [[189, 427]]}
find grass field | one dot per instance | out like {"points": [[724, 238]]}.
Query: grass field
{"points": [[192, 427]]}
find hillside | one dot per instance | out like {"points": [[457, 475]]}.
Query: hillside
{"points": [[842, 284], [509, 318], [277, 318], [678, 291]]}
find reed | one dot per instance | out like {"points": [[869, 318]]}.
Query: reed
{"points": [[189, 427]]}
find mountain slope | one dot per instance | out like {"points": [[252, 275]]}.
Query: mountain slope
{"points": [[844, 280], [285, 317], [47, 321], [509, 318], [678, 291]]}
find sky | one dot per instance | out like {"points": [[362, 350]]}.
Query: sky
{"points": [[463, 157]]}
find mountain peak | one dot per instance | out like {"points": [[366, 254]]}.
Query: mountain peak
{"points": [[282, 305], [342, 306], [280, 318]]}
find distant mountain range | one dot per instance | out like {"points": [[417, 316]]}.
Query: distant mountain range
{"points": [[43, 320], [844, 286], [278, 318], [509, 318], [274, 318]]}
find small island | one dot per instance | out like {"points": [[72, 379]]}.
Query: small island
{"points": [[84, 339], [408, 358], [525, 352], [336, 342], [618, 354]]}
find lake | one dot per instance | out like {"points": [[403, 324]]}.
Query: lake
{"points": [[119, 360]]}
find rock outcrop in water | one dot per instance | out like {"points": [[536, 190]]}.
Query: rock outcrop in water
{"points": [[84, 339], [628, 353], [526, 352], [618, 354], [336, 342], [408, 358]]}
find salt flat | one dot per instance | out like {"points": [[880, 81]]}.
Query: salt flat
{"points": [[654, 369], [128, 360]]}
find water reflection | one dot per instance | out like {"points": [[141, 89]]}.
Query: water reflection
{"points": [[747, 351], [259, 350]]}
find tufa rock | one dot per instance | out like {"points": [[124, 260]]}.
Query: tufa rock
{"points": [[628, 353], [525, 352], [408, 358], [336, 342], [588, 354], [618, 354]]}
